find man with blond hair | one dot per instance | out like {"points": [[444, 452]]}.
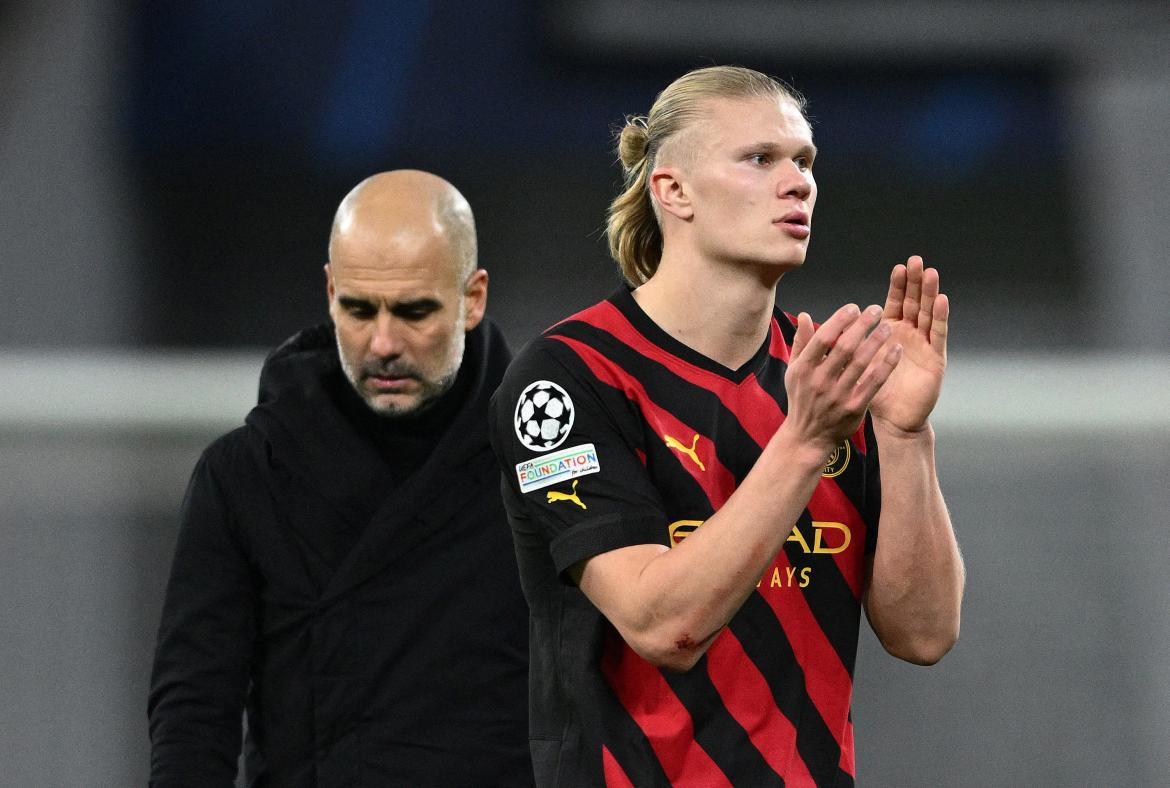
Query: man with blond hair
{"points": [[343, 570], [692, 474]]}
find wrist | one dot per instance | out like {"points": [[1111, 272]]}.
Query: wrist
{"points": [[887, 431], [798, 453]]}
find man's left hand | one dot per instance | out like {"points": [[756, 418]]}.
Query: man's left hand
{"points": [[916, 313]]}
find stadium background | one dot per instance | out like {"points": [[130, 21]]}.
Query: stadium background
{"points": [[168, 173]]}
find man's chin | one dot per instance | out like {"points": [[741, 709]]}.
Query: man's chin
{"points": [[395, 405]]}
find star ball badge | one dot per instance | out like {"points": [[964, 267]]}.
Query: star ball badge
{"points": [[544, 415]]}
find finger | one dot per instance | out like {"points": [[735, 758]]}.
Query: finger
{"points": [[804, 331], [841, 354], [878, 372], [913, 289], [864, 355], [938, 324], [896, 294], [826, 336], [926, 307]]}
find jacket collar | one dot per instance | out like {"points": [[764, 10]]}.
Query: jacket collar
{"points": [[308, 434]]}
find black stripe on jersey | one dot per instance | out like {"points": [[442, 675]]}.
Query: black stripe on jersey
{"points": [[873, 487], [765, 644], [851, 482], [626, 742], [689, 500], [605, 721], [679, 396], [843, 779], [771, 380], [787, 329], [833, 596], [723, 738]]}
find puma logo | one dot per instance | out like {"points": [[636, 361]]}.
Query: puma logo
{"points": [[552, 496], [674, 443]]}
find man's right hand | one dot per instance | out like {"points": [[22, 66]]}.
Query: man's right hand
{"points": [[834, 372]]}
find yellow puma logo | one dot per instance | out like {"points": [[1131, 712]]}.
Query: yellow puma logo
{"points": [[674, 443], [553, 495]]}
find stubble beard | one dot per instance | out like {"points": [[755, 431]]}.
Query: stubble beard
{"points": [[430, 389]]}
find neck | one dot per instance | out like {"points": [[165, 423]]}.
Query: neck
{"points": [[720, 310]]}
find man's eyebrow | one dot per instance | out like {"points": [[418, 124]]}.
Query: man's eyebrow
{"points": [[351, 302], [425, 304], [808, 149]]}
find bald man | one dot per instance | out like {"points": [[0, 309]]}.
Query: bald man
{"points": [[344, 571]]}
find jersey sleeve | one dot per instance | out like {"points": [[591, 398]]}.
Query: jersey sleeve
{"points": [[568, 447]]}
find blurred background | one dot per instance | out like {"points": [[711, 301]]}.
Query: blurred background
{"points": [[168, 175]]}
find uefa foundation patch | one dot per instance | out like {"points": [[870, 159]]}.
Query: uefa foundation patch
{"points": [[557, 466]]}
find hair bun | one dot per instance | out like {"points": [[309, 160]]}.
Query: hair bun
{"points": [[632, 142]]}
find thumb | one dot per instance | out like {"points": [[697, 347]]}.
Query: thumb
{"points": [[804, 332]]}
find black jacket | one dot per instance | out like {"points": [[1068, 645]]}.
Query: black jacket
{"points": [[402, 659]]}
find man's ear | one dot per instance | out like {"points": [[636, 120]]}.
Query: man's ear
{"points": [[669, 191], [329, 283], [475, 299]]}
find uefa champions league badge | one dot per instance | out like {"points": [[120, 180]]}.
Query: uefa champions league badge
{"points": [[544, 416]]}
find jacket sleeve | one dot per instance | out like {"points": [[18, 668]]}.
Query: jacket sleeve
{"points": [[205, 644]]}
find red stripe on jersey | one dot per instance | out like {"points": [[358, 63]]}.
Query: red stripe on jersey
{"points": [[829, 503], [748, 698], [652, 704], [779, 347], [717, 482], [827, 682], [847, 762], [615, 776], [753, 407]]}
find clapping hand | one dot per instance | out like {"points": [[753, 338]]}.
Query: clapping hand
{"points": [[916, 314]]}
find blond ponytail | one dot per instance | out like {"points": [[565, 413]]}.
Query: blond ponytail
{"points": [[635, 240]]}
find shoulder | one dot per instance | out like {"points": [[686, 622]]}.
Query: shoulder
{"points": [[560, 380], [541, 376], [230, 446], [566, 353], [229, 457]]}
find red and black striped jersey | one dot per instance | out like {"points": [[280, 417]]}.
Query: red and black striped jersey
{"points": [[611, 433]]}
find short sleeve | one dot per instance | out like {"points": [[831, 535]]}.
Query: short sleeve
{"points": [[573, 469]]}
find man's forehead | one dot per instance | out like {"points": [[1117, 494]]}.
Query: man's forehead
{"points": [[751, 117], [391, 282], [393, 259]]}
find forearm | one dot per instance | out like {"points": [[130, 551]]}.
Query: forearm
{"points": [[679, 599], [916, 586], [198, 686]]}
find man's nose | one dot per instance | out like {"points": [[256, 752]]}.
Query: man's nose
{"points": [[796, 182], [386, 341]]}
